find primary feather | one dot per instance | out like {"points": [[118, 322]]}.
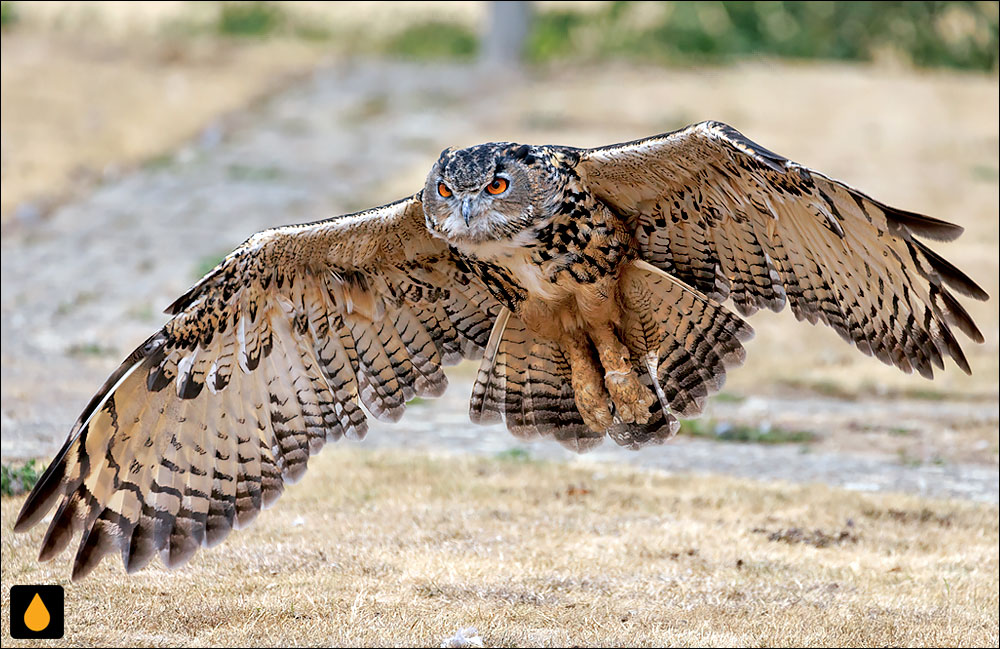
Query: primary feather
{"points": [[733, 219]]}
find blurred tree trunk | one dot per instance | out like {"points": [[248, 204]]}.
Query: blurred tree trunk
{"points": [[503, 42]]}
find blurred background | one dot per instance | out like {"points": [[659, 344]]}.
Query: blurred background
{"points": [[141, 141]]}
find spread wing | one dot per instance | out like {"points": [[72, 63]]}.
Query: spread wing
{"points": [[264, 360], [735, 220]]}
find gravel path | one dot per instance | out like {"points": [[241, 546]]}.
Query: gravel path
{"points": [[82, 287]]}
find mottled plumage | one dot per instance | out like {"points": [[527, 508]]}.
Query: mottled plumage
{"points": [[589, 281]]}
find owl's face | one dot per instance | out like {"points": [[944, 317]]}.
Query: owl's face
{"points": [[484, 193]]}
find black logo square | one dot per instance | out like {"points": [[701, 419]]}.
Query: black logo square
{"points": [[37, 612]]}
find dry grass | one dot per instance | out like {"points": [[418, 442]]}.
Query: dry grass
{"points": [[392, 548]]}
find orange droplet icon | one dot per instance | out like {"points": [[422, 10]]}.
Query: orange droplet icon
{"points": [[36, 617]]}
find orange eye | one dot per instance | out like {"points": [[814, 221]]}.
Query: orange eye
{"points": [[443, 190], [498, 186]]}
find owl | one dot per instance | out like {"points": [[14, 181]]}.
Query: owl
{"points": [[590, 282]]}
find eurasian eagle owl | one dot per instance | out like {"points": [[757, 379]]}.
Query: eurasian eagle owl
{"points": [[589, 282]]}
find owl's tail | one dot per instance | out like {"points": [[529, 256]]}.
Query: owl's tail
{"points": [[681, 344]]}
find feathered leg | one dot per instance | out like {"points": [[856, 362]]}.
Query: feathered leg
{"points": [[631, 398], [588, 389]]}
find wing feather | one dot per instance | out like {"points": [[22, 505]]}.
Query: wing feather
{"points": [[733, 219], [265, 359]]}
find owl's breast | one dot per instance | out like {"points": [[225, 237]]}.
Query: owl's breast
{"points": [[537, 277], [565, 256], [521, 262]]}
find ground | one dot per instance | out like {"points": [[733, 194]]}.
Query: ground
{"points": [[399, 548], [466, 527]]}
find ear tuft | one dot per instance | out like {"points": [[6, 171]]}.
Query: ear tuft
{"points": [[521, 152]]}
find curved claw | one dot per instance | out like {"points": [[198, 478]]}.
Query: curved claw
{"points": [[632, 399]]}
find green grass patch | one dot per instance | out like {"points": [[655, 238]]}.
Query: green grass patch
{"points": [[311, 31], [250, 19], [8, 15], [824, 387], [249, 173], [90, 349], [836, 390], [16, 480], [912, 461], [371, 107], [142, 311], [159, 162], [925, 394], [729, 432], [434, 40], [926, 34], [514, 455], [984, 172]]}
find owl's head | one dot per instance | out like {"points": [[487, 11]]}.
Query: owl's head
{"points": [[487, 192]]}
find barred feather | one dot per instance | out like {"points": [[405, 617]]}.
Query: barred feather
{"points": [[526, 382], [265, 359], [778, 232], [681, 342]]}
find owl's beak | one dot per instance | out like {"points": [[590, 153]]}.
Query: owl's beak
{"points": [[466, 210]]}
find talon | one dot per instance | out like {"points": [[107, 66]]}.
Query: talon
{"points": [[631, 398], [592, 402]]}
